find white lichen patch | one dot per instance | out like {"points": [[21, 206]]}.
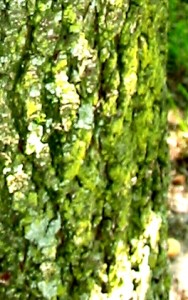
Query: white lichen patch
{"points": [[81, 49], [34, 144], [145, 273], [42, 232], [121, 275], [17, 179], [86, 116], [152, 229]]}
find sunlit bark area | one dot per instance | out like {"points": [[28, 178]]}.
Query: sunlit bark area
{"points": [[82, 148]]}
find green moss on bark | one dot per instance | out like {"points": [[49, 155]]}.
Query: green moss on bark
{"points": [[83, 154]]}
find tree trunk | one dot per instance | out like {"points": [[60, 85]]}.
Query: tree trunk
{"points": [[82, 147]]}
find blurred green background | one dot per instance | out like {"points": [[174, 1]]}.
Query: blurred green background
{"points": [[177, 66], [177, 81]]}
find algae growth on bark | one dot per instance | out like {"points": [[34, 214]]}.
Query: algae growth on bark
{"points": [[82, 149]]}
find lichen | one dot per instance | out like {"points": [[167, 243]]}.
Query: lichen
{"points": [[82, 150]]}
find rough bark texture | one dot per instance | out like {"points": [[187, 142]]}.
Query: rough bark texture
{"points": [[82, 150]]}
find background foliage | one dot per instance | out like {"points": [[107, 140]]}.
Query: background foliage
{"points": [[178, 52], [178, 144]]}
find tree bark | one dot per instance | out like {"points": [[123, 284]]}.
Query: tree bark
{"points": [[83, 154]]}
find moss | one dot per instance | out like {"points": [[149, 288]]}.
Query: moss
{"points": [[83, 151]]}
